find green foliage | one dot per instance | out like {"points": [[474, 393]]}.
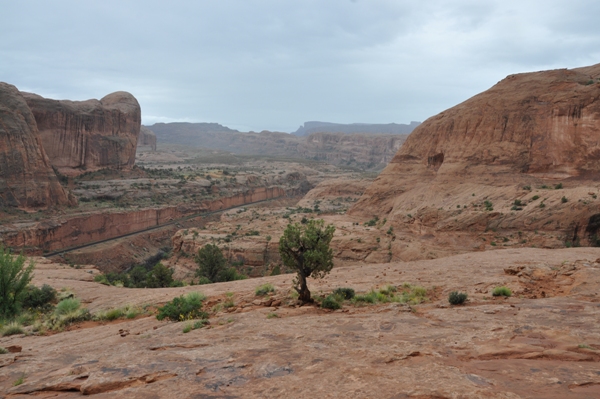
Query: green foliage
{"points": [[564, 199], [528, 188], [372, 222], [12, 328], [535, 197], [211, 262], [39, 298], [346, 293], [331, 302], [457, 298], [14, 279], [276, 271], [203, 280], [502, 291], [19, 380], [406, 294], [264, 289], [3, 350], [230, 274], [488, 205], [558, 186], [305, 249], [159, 277], [181, 308], [518, 202], [272, 315], [67, 306]]}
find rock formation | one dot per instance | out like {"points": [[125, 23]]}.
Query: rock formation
{"points": [[147, 137], [529, 130], [81, 136], [26, 177], [365, 151]]}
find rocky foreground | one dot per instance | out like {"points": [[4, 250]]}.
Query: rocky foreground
{"points": [[543, 342]]}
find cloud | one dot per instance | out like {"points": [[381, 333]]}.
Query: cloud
{"points": [[269, 64]]}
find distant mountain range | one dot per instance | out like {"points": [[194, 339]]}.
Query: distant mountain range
{"points": [[363, 128]]}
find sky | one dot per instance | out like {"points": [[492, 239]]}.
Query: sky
{"points": [[274, 64]]}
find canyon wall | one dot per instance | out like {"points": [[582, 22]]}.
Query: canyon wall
{"points": [[26, 177], [527, 133], [81, 136], [59, 233]]}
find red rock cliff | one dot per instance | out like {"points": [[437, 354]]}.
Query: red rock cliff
{"points": [[81, 136], [530, 126], [147, 137], [26, 177]]}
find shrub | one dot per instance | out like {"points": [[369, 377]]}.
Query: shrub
{"points": [[231, 274], [272, 315], [13, 328], [38, 298], [203, 280], [264, 289], [276, 271], [330, 303], [346, 293], [502, 291], [558, 186], [183, 308], [457, 298], [535, 197], [14, 279], [67, 306], [159, 277], [564, 199], [211, 262], [3, 350]]}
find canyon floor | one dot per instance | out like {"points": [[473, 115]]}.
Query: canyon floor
{"points": [[543, 342]]}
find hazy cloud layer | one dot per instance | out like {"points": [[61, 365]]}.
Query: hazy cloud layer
{"points": [[273, 64]]}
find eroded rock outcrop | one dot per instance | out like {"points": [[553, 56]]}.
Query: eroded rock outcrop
{"points": [[81, 136], [26, 176], [530, 130]]}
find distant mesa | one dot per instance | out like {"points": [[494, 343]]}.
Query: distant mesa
{"points": [[26, 176], [364, 151], [82, 136], [353, 128], [147, 138]]}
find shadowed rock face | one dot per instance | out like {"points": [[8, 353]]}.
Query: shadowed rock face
{"points": [[530, 129], [81, 136], [26, 177]]}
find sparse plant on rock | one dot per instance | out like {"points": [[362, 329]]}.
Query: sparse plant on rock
{"points": [[346, 293], [457, 298], [182, 308], [502, 291], [305, 248], [264, 289], [330, 302]]}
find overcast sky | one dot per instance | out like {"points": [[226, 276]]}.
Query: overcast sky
{"points": [[274, 64]]}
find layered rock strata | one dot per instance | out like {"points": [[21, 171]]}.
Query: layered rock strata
{"points": [[467, 166], [26, 176], [81, 136]]}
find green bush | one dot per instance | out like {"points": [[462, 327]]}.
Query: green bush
{"points": [[67, 306], [181, 308], [264, 289], [3, 350], [39, 298], [231, 274], [564, 199], [330, 303], [457, 298], [14, 279], [346, 293], [204, 280], [276, 271], [502, 291]]}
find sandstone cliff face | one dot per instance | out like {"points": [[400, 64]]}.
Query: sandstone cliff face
{"points": [[81, 136], [26, 177], [529, 130], [147, 137]]}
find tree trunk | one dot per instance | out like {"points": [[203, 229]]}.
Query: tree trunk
{"points": [[304, 293]]}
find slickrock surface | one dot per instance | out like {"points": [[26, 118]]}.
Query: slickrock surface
{"points": [[81, 136], [544, 342], [26, 176], [532, 130]]}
